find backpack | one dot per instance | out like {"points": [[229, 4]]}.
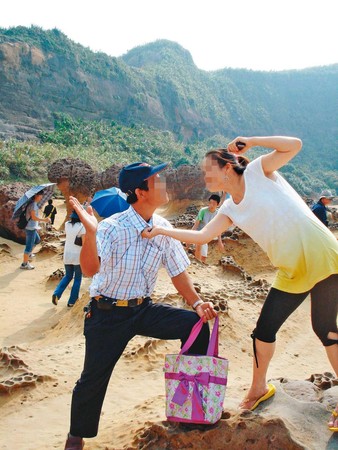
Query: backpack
{"points": [[22, 222]]}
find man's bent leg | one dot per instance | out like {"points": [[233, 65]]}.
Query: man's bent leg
{"points": [[107, 334], [166, 322]]}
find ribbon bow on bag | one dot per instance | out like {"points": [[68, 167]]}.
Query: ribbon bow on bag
{"points": [[182, 391]]}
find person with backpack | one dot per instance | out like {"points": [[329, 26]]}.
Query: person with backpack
{"points": [[31, 230], [50, 211], [71, 258]]}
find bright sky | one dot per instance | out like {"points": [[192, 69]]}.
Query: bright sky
{"points": [[253, 34]]}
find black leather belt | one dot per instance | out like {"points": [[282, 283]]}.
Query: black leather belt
{"points": [[109, 303]]}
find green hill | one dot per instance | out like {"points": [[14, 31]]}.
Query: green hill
{"points": [[45, 78]]}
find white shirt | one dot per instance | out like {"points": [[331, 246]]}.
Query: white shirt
{"points": [[71, 254], [129, 263], [274, 215]]}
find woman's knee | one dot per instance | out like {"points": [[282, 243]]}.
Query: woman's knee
{"points": [[264, 334], [326, 337]]}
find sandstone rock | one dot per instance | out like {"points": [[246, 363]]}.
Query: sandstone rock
{"points": [[109, 177], [228, 263], [73, 177], [9, 195], [186, 182], [294, 419], [14, 374]]}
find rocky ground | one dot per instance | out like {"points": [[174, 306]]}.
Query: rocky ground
{"points": [[42, 350]]}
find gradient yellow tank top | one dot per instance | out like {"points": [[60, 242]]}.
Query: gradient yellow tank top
{"points": [[272, 213]]}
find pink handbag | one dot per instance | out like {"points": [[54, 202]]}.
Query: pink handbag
{"points": [[195, 384]]}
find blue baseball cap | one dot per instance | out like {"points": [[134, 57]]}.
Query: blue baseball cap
{"points": [[133, 175]]}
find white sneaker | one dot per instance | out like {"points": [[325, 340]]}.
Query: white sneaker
{"points": [[27, 266]]}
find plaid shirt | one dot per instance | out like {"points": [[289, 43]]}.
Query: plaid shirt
{"points": [[129, 263]]}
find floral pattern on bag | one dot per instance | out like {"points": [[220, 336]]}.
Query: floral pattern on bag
{"points": [[211, 395]]}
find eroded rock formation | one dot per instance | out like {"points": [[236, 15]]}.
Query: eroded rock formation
{"points": [[15, 373], [186, 183], [74, 177], [9, 195]]}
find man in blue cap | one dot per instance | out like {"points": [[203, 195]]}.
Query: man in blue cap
{"points": [[124, 267]]}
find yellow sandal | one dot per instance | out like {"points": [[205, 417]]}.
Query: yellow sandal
{"points": [[334, 413], [270, 393]]}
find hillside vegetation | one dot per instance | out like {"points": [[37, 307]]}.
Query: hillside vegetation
{"points": [[102, 144], [154, 104]]}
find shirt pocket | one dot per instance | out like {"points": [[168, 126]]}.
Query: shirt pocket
{"points": [[152, 258]]}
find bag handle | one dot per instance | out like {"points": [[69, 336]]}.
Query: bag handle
{"points": [[213, 342]]}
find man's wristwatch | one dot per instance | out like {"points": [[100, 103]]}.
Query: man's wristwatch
{"points": [[197, 303]]}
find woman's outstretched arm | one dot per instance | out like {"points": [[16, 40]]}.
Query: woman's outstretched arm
{"points": [[214, 228]]}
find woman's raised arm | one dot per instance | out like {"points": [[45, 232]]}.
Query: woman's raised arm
{"points": [[284, 149]]}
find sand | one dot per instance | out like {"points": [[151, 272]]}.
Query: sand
{"points": [[43, 348]]}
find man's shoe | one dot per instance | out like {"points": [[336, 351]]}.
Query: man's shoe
{"points": [[74, 443], [27, 266], [55, 299]]}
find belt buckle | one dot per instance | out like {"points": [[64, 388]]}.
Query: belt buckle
{"points": [[121, 303], [130, 303]]}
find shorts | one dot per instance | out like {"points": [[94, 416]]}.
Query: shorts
{"points": [[32, 239]]}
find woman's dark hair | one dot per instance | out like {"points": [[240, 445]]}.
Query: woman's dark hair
{"points": [[223, 157], [73, 220], [132, 197]]}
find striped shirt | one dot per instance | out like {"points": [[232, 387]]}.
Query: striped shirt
{"points": [[130, 263]]}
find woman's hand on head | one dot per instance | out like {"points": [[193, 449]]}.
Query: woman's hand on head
{"points": [[150, 232], [235, 146], [85, 215], [206, 311]]}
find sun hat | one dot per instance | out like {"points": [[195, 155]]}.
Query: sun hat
{"points": [[326, 194], [133, 175]]}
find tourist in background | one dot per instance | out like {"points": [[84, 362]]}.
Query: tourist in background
{"points": [[305, 252], [50, 211], [31, 230], [75, 235], [204, 216], [319, 208]]}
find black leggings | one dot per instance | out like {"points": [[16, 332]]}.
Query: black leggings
{"points": [[279, 305]]}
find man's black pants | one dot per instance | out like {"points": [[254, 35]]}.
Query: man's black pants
{"points": [[107, 335]]}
